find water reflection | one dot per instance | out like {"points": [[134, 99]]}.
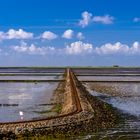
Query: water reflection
{"points": [[22, 77], [21, 101], [127, 104], [21, 115], [124, 96], [109, 78]]}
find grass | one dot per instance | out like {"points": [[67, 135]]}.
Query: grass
{"points": [[58, 108]]}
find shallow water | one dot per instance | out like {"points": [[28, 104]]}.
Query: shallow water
{"points": [[108, 71], [25, 101], [31, 70], [109, 78], [30, 77]]}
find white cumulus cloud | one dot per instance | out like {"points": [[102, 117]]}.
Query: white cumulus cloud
{"points": [[49, 35], [80, 36], [79, 48], [68, 34], [112, 48], [86, 19], [2, 35], [135, 49], [32, 49], [15, 34], [107, 19]]}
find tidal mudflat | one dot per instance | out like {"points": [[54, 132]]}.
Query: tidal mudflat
{"points": [[126, 98]]}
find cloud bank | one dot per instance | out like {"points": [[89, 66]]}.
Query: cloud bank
{"points": [[80, 48]]}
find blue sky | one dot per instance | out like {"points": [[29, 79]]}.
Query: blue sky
{"points": [[63, 33]]}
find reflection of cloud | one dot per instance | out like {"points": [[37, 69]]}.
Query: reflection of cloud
{"points": [[20, 96]]}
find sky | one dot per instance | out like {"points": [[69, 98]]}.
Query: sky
{"points": [[69, 33]]}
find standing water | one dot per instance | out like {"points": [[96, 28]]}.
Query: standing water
{"points": [[25, 101]]}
